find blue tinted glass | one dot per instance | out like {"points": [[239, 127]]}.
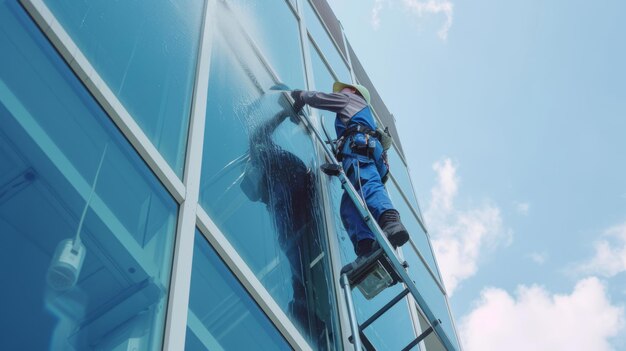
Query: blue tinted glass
{"points": [[146, 53], [393, 330], [322, 77], [222, 316], [400, 174], [259, 184], [323, 40], [432, 295], [274, 28], [419, 237], [87, 229]]}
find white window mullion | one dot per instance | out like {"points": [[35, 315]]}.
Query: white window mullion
{"points": [[180, 286]]}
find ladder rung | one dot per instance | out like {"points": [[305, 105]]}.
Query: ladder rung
{"points": [[380, 312], [384, 309], [422, 336]]}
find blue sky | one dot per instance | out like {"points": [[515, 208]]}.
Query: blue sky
{"points": [[513, 118]]}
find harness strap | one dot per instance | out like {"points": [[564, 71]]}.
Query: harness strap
{"points": [[349, 132], [358, 128]]}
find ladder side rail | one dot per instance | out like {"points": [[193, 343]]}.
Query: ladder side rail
{"points": [[354, 325]]}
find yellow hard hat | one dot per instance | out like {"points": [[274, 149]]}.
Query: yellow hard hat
{"points": [[337, 86]]}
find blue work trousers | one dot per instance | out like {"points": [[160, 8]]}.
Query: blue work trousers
{"points": [[366, 179]]}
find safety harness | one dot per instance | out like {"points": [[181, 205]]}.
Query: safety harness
{"points": [[362, 141]]}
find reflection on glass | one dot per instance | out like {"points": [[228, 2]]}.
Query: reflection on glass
{"points": [[418, 235], [400, 173], [432, 341], [323, 40], [146, 53], [86, 229], [393, 330], [322, 77], [274, 28], [259, 185], [222, 316]]}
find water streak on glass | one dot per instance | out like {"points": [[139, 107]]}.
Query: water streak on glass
{"points": [[260, 182]]}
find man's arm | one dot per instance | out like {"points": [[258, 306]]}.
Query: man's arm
{"points": [[334, 102]]}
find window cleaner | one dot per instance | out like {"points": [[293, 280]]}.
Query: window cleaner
{"points": [[382, 255], [363, 158]]}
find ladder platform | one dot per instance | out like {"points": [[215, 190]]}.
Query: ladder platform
{"points": [[373, 274]]}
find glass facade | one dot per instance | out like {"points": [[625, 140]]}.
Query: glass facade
{"points": [[260, 184], [88, 230], [222, 316], [319, 34], [146, 53]]}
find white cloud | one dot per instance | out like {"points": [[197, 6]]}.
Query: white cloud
{"points": [[433, 7], [610, 254], [538, 257], [522, 207], [460, 236], [538, 320], [419, 8], [378, 6]]}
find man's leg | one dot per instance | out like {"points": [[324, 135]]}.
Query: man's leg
{"points": [[360, 234], [379, 204]]}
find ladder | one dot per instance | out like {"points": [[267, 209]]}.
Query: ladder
{"points": [[384, 260]]}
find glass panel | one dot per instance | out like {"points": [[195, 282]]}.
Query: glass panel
{"points": [[146, 53], [323, 40], [418, 235], [259, 184], [432, 341], [222, 316], [432, 295], [323, 79], [274, 28], [400, 173], [87, 229], [393, 330]]}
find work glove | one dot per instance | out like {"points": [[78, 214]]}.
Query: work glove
{"points": [[298, 100]]}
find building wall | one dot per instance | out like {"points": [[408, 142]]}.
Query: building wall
{"points": [[155, 193]]}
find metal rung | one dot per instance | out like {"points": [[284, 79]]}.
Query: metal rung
{"points": [[384, 309], [422, 336], [381, 311]]}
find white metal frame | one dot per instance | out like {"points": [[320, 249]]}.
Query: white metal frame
{"points": [[180, 285]]}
